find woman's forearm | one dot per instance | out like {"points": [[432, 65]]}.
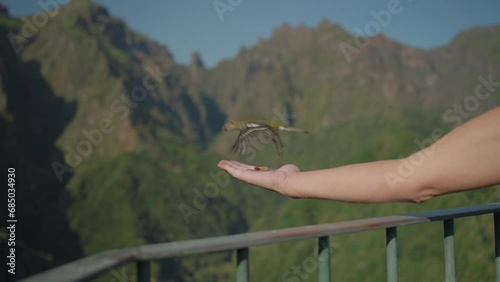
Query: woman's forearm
{"points": [[374, 182], [466, 158]]}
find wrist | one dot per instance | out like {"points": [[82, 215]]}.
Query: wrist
{"points": [[285, 185]]}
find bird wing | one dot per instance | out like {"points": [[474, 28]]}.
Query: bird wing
{"points": [[253, 135]]}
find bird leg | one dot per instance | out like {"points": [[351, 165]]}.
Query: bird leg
{"points": [[278, 143]]}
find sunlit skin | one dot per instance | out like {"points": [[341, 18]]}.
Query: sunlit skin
{"points": [[466, 158]]}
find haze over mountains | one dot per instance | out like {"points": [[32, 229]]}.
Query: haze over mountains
{"points": [[115, 143]]}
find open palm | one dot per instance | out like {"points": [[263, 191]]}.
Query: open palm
{"points": [[274, 180]]}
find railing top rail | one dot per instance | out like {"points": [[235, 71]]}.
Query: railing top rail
{"points": [[94, 265], [231, 242]]}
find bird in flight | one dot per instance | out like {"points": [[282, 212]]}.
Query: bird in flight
{"points": [[256, 132]]}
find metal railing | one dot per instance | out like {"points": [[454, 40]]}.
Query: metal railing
{"points": [[92, 266]]}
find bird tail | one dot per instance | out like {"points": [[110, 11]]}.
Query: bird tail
{"points": [[292, 129]]}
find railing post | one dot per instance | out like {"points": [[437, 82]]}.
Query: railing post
{"points": [[449, 250], [143, 271], [496, 222], [242, 265], [392, 254], [324, 259]]}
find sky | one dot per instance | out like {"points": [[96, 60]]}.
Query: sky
{"points": [[217, 29]]}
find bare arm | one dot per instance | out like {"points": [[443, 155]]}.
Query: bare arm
{"points": [[466, 158]]}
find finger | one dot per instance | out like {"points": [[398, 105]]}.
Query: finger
{"points": [[229, 165], [238, 171], [248, 167], [247, 173], [252, 167], [236, 165], [234, 168]]}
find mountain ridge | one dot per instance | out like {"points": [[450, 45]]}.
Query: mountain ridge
{"points": [[94, 73], [81, 117]]}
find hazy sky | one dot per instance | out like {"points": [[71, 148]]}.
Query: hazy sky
{"points": [[195, 25]]}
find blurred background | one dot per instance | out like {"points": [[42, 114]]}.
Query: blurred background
{"points": [[111, 113]]}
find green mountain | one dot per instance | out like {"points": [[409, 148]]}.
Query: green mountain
{"points": [[306, 71], [29, 133], [116, 145], [107, 133], [386, 101]]}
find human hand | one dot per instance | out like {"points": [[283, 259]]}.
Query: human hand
{"points": [[274, 180]]}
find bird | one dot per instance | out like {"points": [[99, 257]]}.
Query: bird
{"points": [[254, 132]]}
